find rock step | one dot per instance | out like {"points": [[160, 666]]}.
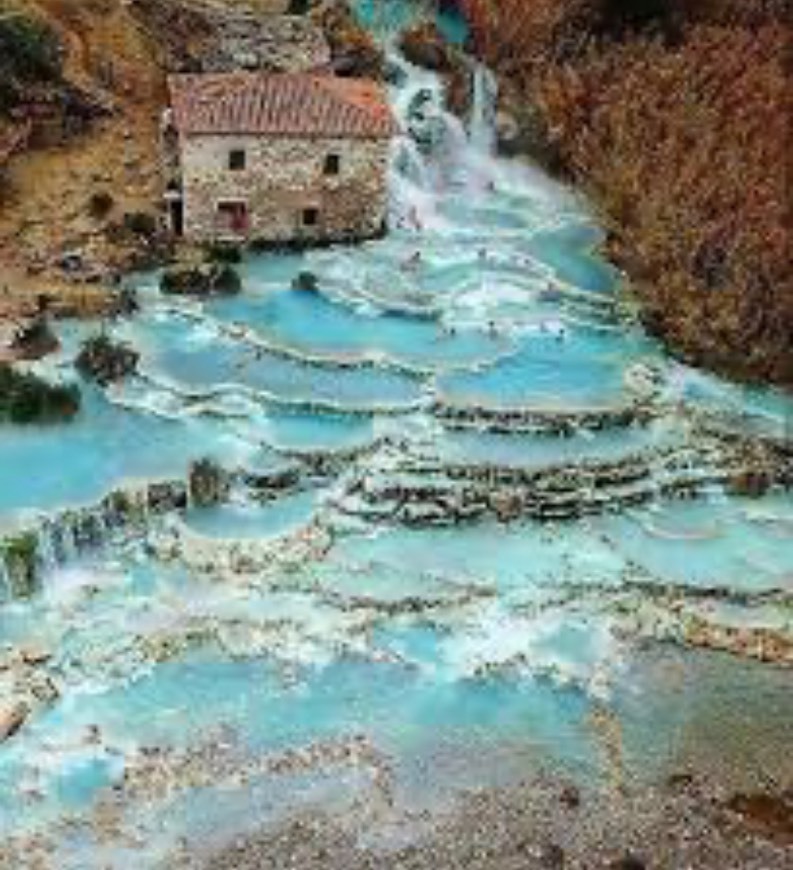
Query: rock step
{"points": [[432, 493], [557, 422]]}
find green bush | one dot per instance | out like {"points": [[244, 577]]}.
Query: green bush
{"points": [[298, 7], [30, 52], [227, 280], [141, 223], [205, 280], [27, 398], [224, 253], [102, 360], [20, 555]]}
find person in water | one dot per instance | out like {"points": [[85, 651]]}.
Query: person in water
{"points": [[412, 262]]}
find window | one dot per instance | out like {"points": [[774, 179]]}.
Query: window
{"points": [[310, 217], [237, 160], [332, 164]]}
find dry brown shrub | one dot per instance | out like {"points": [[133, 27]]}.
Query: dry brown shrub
{"points": [[686, 146]]}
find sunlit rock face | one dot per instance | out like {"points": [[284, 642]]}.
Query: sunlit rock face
{"points": [[440, 518]]}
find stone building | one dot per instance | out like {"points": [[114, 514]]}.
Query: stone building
{"points": [[283, 158]]}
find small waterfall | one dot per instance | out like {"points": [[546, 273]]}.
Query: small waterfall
{"points": [[5, 579], [48, 546], [483, 109], [56, 540]]}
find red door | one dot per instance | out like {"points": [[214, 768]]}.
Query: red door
{"points": [[233, 218]]}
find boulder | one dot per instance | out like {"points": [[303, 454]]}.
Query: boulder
{"points": [[306, 281], [13, 716]]}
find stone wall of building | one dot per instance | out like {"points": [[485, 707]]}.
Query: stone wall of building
{"points": [[282, 181]]}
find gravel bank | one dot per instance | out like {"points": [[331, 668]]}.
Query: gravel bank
{"points": [[540, 824]]}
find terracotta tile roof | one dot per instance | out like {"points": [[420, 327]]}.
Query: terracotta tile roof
{"points": [[282, 104]]}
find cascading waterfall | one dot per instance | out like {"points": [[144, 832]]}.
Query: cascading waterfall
{"points": [[437, 152], [483, 109], [6, 589]]}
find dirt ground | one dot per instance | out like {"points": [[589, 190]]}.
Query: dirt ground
{"points": [[45, 210]]}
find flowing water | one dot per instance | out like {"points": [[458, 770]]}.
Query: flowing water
{"points": [[453, 550]]}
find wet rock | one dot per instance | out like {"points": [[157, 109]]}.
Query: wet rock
{"points": [[426, 125], [207, 279], [35, 655], [208, 483], [105, 361], [425, 46], [167, 496], [394, 74], [306, 281], [124, 303], [506, 506], [42, 688], [12, 717], [274, 482], [751, 484]]}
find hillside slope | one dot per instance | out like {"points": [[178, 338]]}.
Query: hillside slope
{"points": [[45, 211]]}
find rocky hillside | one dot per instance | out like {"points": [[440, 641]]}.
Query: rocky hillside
{"points": [[86, 167], [675, 117], [80, 110]]}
